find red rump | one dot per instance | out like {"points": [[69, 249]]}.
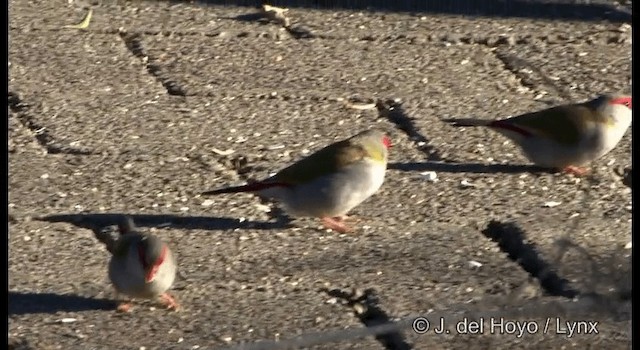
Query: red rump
{"points": [[259, 186], [150, 273], [503, 124], [253, 187]]}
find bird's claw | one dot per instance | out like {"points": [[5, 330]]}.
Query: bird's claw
{"points": [[575, 170], [169, 302], [124, 307], [337, 224]]}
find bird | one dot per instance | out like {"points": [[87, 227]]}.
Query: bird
{"points": [[328, 183], [565, 137], [141, 264]]}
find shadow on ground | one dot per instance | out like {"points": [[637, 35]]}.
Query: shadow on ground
{"points": [[21, 303], [476, 168], [98, 221], [538, 9]]}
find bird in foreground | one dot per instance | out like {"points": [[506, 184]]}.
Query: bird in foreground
{"points": [[328, 183], [141, 265], [565, 137]]}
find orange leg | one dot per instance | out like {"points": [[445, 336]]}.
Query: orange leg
{"points": [[124, 307], [337, 224], [575, 170], [167, 300], [347, 217]]}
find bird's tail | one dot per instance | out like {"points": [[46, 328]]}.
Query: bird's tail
{"points": [[110, 235], [126, 225], [467, 122], [252, 187]]}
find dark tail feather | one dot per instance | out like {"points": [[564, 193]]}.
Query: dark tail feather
{"points": [[467, 122], [126, 225], [253, 187], [499, 125], [110, 236], [505, 125]]}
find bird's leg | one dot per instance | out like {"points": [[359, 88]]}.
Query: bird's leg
{"points": [[347, 217], [124, 307], [575, 170], [336, 224], [169, 302]]}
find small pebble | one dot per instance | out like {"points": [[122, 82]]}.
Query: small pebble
{"points": [[466, 183], [474, 263], [429, 176], [227, 339]]}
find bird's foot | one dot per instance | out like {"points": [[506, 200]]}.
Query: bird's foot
{"points": [[337, 224], [575, 170], [124, 307], [169, 302], [347, 217]]}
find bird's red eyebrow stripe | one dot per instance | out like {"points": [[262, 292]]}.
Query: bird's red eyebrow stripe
{"points": [[386, 141], [621, 101]]}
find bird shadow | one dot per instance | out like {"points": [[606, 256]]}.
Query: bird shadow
{"points": [[476, 168], [536, 9], [249, 17], [22, 303], [396, 114], [98, 221], [297, 31]]}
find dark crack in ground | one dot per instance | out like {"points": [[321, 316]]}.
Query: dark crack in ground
{"points": [[522, 68], [40, 132], [511, 240], [393, 111], [134, 44], [366, 307]]}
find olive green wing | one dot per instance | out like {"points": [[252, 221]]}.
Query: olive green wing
{"points": [[326, 161], [564, 124]]}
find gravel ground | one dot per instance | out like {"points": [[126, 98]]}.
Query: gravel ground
{"points": [[157, 101]]}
